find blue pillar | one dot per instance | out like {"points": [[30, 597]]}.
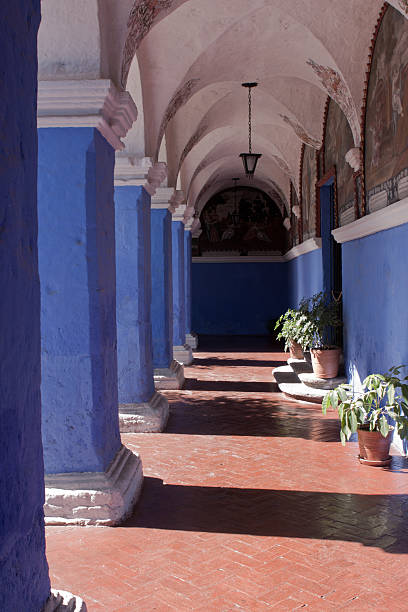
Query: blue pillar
{"points": [[191, 337], [168, 373], [181, 350], [141, 408], [78, 326], [24, 581]]}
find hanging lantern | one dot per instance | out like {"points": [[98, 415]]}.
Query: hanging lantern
{"points": [[250, 159]]}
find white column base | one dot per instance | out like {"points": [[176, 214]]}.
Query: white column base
{"points": [[169, 378], [183, 353], [192, 340], [146, 417], [62, 601], [95, 498]]}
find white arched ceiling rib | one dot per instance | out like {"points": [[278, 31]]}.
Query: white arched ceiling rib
{"points": [[234, 140], [135, 138], [146, 13], [270, 43], [231, 108], [215, 181]]}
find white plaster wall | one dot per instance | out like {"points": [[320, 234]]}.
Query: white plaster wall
{"points": [[69, 40]]}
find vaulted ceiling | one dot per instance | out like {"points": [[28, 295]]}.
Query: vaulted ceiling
{"points": [[184, 61]]}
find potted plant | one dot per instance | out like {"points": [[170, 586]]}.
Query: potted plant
{"points": [[373, 413], [320, 317], [290, 326]]}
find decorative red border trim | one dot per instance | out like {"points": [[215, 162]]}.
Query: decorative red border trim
{"points": [[300, 225], [364, 105], [323, 147]]}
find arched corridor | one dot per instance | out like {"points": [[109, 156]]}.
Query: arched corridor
{"points": [[174, 176], [249, 503]]}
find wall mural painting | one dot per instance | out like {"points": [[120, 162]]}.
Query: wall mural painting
{"points": [[309, 193], [386, 127], [338, 141], [244, 221]]}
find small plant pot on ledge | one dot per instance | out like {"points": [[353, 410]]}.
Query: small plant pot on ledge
{"points": [[325, 362], [295, 350], [374, 447]]}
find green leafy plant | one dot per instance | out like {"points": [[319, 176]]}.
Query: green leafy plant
{"points": [[320, 315], [291, 325], [382, 402]]}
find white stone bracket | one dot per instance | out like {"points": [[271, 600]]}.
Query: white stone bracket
{"points": [[88, 103]]}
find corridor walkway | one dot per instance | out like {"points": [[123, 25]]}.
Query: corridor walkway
{"points": [[250, 503]]}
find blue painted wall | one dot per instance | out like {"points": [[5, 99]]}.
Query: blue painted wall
{"points": [[375, 292], [133, 284], [24, 582], [238, 298], [305, 276], [78, 300], [187, 278], [179, 311], [162, 293]]}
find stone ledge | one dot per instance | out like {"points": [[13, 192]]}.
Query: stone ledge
{"points": [[183, 353], [171, 378], [326, 384], [145, 417], [95, 498], [62, 601]]}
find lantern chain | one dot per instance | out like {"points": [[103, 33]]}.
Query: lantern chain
{"points": [[249, 120]]}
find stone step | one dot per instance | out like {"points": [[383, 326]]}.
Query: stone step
{"points": [[290, 384], [310, 380]]}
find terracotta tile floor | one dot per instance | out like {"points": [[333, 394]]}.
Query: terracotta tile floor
{"points": [[250, 503]]}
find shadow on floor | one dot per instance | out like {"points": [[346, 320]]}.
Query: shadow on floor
{"points": [[372, 520], [230, 385], [210, 362], [266, 417]]}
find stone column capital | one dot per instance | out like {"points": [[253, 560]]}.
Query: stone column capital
{"points": [[93, 103], [139, 172], [189, 218], [163, 198], [180, 205], [196, 230]]}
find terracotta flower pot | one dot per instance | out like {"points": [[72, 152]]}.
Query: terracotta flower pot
{"points": [[374, 448], [295, 350], [325, 362]]}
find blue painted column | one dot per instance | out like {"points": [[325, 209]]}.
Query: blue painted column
{"points": [[168, 373], [141, 408], [24, 581], [181, 351], [78, 329], [191, 337]]}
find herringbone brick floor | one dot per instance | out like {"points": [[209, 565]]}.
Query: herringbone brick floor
{"points": [[250, 503]]}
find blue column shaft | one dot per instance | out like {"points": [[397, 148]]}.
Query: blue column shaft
{"points": [[187, 278], [78, 300], [179, 312], [133, 285], [162, 296], [24, 581]]}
